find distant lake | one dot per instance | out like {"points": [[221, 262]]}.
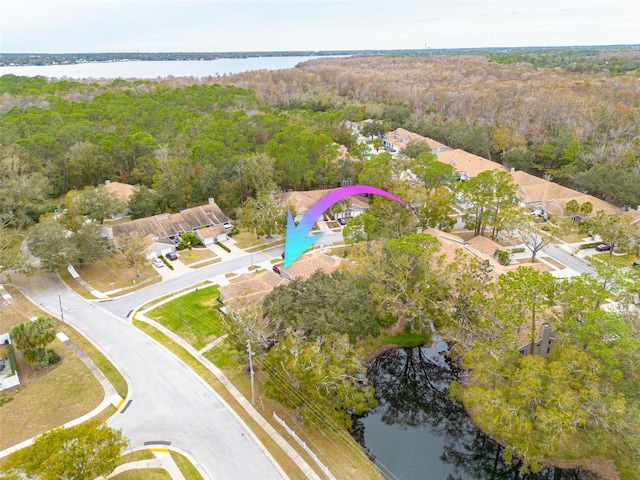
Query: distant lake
{"points": [[156, 69]]}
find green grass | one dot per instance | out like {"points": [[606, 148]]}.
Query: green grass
{"points": [[155, 301], [186, 467], [265, 246], [223, 357], [143, 474], [193, 316], [135, 457]]}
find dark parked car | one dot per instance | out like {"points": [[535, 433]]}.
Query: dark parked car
{"points": [[342, 221], [603, 247], [276, 269], [636, 264], [172, 256]]}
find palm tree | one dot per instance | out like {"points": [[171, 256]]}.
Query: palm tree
{"points": [[42, 331], [20, 337]]}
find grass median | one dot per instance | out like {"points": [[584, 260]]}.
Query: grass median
{"points": [[192, 316]]}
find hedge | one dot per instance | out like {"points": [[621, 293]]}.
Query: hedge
{"points": [[589, 245], [223, 247], [11, 352], [166, 262]]}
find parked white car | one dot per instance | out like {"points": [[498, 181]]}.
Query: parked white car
{"points": [[158, 263]]}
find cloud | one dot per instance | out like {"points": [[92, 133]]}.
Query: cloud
{"points": [[239, 25]]}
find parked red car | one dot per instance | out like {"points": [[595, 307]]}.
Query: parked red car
{"points": [[603, 247], [276, 269]]}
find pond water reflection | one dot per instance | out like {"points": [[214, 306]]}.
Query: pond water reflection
{"points": [[417, 432]]}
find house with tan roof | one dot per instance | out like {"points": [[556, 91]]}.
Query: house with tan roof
{"points": [[308, 264], [479, 247], [248, 289], [399, 138], [123, 190], [168, 227], [302, 201], [537, 192], [467, 164], [534, 192]]}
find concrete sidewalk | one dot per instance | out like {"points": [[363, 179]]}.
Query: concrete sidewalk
{"points": [[163, 460]]}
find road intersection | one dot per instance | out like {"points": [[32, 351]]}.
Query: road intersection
{"points": [[168, 404]]}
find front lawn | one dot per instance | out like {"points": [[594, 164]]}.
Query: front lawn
{"points": [[110, 274], [143, 474], [247, 239], [193, 316], [197, 255], [48, 398]]}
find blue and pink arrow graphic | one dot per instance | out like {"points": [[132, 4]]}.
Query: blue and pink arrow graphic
{"points": [[297, 240]]}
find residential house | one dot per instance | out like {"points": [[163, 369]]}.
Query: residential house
{"points": [[123, 190], [552, 198], [207, 221], [466, 164], [302, 201], [248, 289], [398, 139]]}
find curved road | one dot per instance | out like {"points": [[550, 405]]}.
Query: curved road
{"points": [[168, 402]]}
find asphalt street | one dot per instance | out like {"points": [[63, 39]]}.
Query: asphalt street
{"points": [[122, 306], [577, 264], [168, 402]]}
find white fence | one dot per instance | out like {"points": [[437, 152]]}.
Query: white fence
{"points": [[9, 382], [304, 445]]}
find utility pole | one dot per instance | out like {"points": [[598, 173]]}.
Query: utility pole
{"points": [[61, 312], [253, 397]]}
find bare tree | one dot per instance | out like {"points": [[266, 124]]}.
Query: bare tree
{"points": [[533, 238]]}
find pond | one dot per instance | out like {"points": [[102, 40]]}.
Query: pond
{"points": [[418, 432]]}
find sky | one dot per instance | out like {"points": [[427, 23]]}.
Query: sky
{"points": [[85, 26]]}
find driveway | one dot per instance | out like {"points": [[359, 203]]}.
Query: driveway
{"points": [[167, 402], [575, 263]]}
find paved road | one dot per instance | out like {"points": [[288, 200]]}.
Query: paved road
{"points": [[124, 305], [169, 402], [577, 264]]}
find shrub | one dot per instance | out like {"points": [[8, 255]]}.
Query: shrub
{"points": [[53, 357], [386, 320], [39, 358], [166, 262], [234, 231], [502, 256], [589, 245], [11, 352], [516, 249]]}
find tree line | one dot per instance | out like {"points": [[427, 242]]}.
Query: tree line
{"points": [[578, 128]]}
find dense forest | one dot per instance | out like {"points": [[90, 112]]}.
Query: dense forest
{"points": [[537, 113]]}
